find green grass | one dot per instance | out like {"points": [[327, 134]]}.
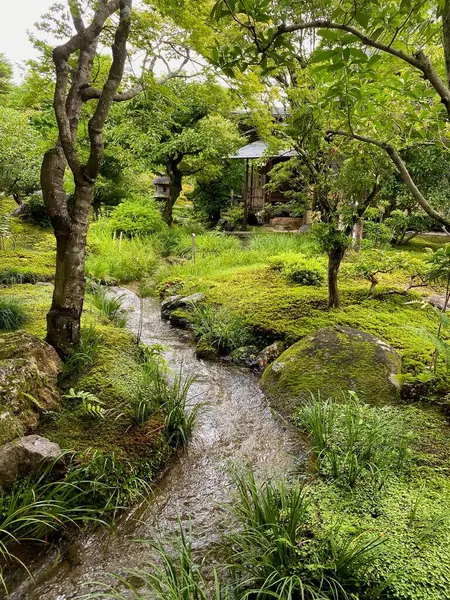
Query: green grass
{"points": [[113, 260], [12, 314]]}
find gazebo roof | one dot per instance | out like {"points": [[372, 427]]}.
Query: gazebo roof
{"points": [[258, 149]]}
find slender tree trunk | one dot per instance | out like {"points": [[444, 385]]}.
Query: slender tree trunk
{"points": [[358, 232], [63, 319], [335, 256], [176, 184]]}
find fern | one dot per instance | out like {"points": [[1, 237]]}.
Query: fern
{"points": [[90, 405]]}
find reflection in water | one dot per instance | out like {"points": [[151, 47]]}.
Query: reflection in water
{"points": [[235, 427]]}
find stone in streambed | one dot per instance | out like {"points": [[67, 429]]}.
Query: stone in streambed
{"points": [[266, 356], [175, 302], [180, 318], [204, 351], [245, 355]]}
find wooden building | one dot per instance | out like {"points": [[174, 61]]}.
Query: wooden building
{"points": [[258, 164]]}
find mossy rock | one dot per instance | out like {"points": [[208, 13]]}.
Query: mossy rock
{"points": [[245, 355], [331, 360], [205, 351], [180, 318], [28, 386]]}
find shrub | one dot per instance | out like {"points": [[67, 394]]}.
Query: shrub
{"points": [[405, 227], [221, 329], [378, 234], [232, 219], [36, 212], [137, 217], [299, 269], [353, 441], [12, 314]]}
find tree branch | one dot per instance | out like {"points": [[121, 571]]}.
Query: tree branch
{"points": [[97, 121], [401, 167], [419, 61]]}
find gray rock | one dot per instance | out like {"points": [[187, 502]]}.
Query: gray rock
{"points": [[175, 302], [28, 386], [31, 453], [334, 360]]}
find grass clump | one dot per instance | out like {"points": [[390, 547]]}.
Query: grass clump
{"points": [[12, 314], [221, 329], [113, 260], [109, 307], [353, 441], [157, 391]]}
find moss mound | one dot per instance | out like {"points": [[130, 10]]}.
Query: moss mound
{"points": [[333, 359]]}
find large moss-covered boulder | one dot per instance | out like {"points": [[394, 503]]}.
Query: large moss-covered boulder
{"points": [[330, 360], [28, 372]]}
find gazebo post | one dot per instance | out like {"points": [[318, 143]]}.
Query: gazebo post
{"points": [[246, 195]]}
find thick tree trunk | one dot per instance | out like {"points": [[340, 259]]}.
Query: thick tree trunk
{"points": [[335, 257], [63, 319], [176, 184]]}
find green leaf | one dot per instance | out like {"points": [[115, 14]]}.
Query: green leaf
{"points": [[361, 18], [322, 55]]}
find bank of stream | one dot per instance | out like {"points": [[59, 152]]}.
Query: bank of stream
{"points": [[235, 427]]}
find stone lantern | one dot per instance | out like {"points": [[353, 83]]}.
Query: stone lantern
{"points": [[162, 188]]}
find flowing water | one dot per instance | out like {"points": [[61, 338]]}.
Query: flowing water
{"points": [[235, 427]]}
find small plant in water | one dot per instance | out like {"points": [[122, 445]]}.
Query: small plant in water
{"points": [[221, 329], [109, 306]]}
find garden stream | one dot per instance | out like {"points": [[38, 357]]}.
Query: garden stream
{"points": [[235, 427]]}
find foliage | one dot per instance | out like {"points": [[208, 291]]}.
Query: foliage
{"points": [[220, 328], [136, 217], [442, 346], [90, 405], [405, 227], [353, 442], [279, 553], [20, 153], [111, 260], [211, 196], [36, 211], [12, 314], [232, 219], [175, 575], [299, 269], [6, 74], [378, 234], [329, 238], [84, 354], [371, 264], [157, 392]]}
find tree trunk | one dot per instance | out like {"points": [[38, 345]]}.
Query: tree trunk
{"points": [[358, 233], [335, 256], [176, 184], [63, 319]]}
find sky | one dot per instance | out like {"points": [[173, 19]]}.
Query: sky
{"points": [[15, 19]]}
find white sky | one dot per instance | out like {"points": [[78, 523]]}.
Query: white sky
{"points": [[15, 19]]}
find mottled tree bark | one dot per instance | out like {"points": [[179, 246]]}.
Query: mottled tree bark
{"points": [[70, 217], [335, 256]]}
